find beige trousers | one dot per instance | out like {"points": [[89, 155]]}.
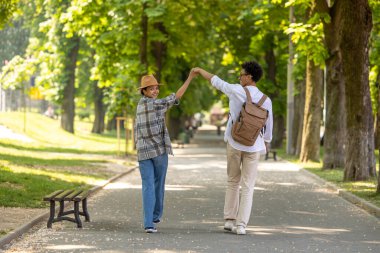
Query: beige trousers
{"points": [[244, 176]]}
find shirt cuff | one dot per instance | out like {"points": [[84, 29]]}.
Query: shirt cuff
{"points": [[176, 100], [214, 79]]}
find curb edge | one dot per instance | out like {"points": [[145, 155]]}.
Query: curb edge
{"points": [[359, 202]]}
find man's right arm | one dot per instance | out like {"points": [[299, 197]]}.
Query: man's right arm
{"points": [[203, 73]]}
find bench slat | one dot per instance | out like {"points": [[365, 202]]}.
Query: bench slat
{"points": [[71, 196], [82, 195], [62, 195], [52, 195]]}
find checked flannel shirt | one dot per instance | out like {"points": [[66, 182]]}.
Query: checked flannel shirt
{"points": [[151, 135]]}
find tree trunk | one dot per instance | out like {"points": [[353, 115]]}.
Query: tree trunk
{"points": [[378, 179], [356, 24], [299, 105], [371, 139], [278, 120], [278, 131], [68, 104], [377, 132], [111, 123], [175, 126], [334, 140], [312, 114], [100, 110], [159, 50], [335, 132], [144, 39]]}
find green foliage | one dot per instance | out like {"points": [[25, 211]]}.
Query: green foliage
{"points": [[7, 8], [374, 55], [17, 73], [308, 38]]}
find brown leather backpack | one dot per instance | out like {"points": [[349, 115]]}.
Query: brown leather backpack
{"points": [[251, 120]]}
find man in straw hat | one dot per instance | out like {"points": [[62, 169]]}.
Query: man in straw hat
{"points": [[153, 146]]}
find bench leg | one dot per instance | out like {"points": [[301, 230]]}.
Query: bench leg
{"points": [[61, 208], [52, 213], [85, 211], [76, 214]]}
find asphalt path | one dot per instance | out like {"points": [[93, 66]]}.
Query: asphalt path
{"points": [[292, 212]]}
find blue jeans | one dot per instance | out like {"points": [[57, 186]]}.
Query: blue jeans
{"points": [[153, 174]]}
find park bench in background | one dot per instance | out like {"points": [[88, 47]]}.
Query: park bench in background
{"points": [[65, 196]]}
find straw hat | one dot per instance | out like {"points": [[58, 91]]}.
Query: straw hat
{"points": [[147, 81]]}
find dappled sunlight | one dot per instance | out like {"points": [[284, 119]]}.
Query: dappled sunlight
{"points": [[295, 230], [185, 166], [69, 247], [279, 166], [307, 213], [195, 222], [182, 187], [54, 175], [198, 199], [196, 155], [162, 251], [168, 187], [121, 185], [372, 242], [287, 184], [260, 189]]}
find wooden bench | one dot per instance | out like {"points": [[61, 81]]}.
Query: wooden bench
{"points": [[274, 155], [62, 196]]}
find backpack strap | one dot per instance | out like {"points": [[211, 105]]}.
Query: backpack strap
{"points": [[249, 99], [262, 100]]}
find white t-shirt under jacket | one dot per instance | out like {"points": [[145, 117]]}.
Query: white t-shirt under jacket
{"points": [[237, 97]]}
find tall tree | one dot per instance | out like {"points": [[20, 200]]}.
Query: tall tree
{"points": [[335, 128], [356, 23], [312, 113], [308, 39], [71, 46]]}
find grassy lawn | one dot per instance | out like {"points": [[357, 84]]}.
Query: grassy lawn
{"points": [[55, 159], [363, 189]]}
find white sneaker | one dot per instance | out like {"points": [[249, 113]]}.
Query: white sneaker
{"points": [[151, 230], [229, 225], [239, 230]]}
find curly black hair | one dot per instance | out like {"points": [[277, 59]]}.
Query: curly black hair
{"points": [[254, 69]]}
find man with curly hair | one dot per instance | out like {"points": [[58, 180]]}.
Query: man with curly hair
{"points": [[242, 161]]}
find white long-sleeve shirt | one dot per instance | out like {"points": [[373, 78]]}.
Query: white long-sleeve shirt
{"points": [[237, 96]]}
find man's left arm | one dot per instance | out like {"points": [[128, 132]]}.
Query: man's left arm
{"points": [[268, 125], [218, 83]]}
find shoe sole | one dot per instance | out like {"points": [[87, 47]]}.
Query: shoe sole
{"points": [[228, 229]]}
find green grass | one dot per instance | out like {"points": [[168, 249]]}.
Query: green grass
{"points": [[54, 160], [47, 133], [363, 189], [22, 187]]}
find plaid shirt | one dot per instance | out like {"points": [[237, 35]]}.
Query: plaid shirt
{"points": [[151, 135]]}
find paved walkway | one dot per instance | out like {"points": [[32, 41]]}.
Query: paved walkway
{"points": [[292, 212]]}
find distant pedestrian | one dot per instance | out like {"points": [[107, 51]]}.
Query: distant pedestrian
{"points": [[153, 146], [236, 214]]}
